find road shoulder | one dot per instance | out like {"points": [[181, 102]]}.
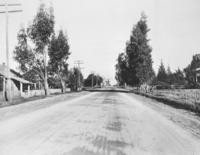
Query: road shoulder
{"points": [[27, 107], [187, 120]]}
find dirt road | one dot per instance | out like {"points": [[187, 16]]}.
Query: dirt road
{"points": [[99, 123]]}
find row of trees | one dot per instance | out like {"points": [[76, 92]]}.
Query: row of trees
{"points": [[185, 77], [42, 54], [93, 80], [167, 77], [134, 66]]}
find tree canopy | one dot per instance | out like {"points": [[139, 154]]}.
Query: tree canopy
{"points": [[33, 59], [75, 79], [58, 56], [93, 80], [162, 74], [42, 28], [121, 69], [134, 67]]}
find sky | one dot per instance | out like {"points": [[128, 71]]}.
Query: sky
{"points": [[98, 30]]}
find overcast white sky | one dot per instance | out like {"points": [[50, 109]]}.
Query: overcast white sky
{"points": [[99, 29]]}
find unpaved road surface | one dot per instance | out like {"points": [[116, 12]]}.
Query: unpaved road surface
{"points": [[99, 123]]}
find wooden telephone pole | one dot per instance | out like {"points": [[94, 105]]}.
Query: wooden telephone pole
{"points": [[8, 83], [79, 63]]}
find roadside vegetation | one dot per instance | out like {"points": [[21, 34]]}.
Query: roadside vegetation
{"points": [[134, 70], [180, 87], [42, 54], [93, 80]]}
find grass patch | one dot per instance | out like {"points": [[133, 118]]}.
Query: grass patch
{"points": [[188, 99]]}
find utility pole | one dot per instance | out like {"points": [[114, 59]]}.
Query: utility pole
{"points": [[79, 63], [8, 83]]}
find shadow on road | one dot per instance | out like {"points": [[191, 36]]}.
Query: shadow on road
{"points": [[107, 89]]}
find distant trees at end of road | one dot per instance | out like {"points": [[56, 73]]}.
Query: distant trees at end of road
{"points": [[93, 80]]}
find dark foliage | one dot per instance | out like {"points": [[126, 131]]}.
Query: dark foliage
{"points": [[134, 67], [93, 80], [75, 79], [190, 72], [33, 61], [58, 56]]}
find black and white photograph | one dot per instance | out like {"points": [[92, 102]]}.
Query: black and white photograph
{"points": [[99, 77]]}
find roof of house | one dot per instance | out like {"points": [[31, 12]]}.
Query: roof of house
{"points": [[13, 75], [21, 80]]}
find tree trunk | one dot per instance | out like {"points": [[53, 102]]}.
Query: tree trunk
{"points": [[46, 88], [63, 85]]}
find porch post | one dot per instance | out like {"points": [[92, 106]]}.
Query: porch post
{"points": [[4, 87], [21, 88], [28, 90]]}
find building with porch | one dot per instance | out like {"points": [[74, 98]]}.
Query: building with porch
{"points": [[19, 86]]}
